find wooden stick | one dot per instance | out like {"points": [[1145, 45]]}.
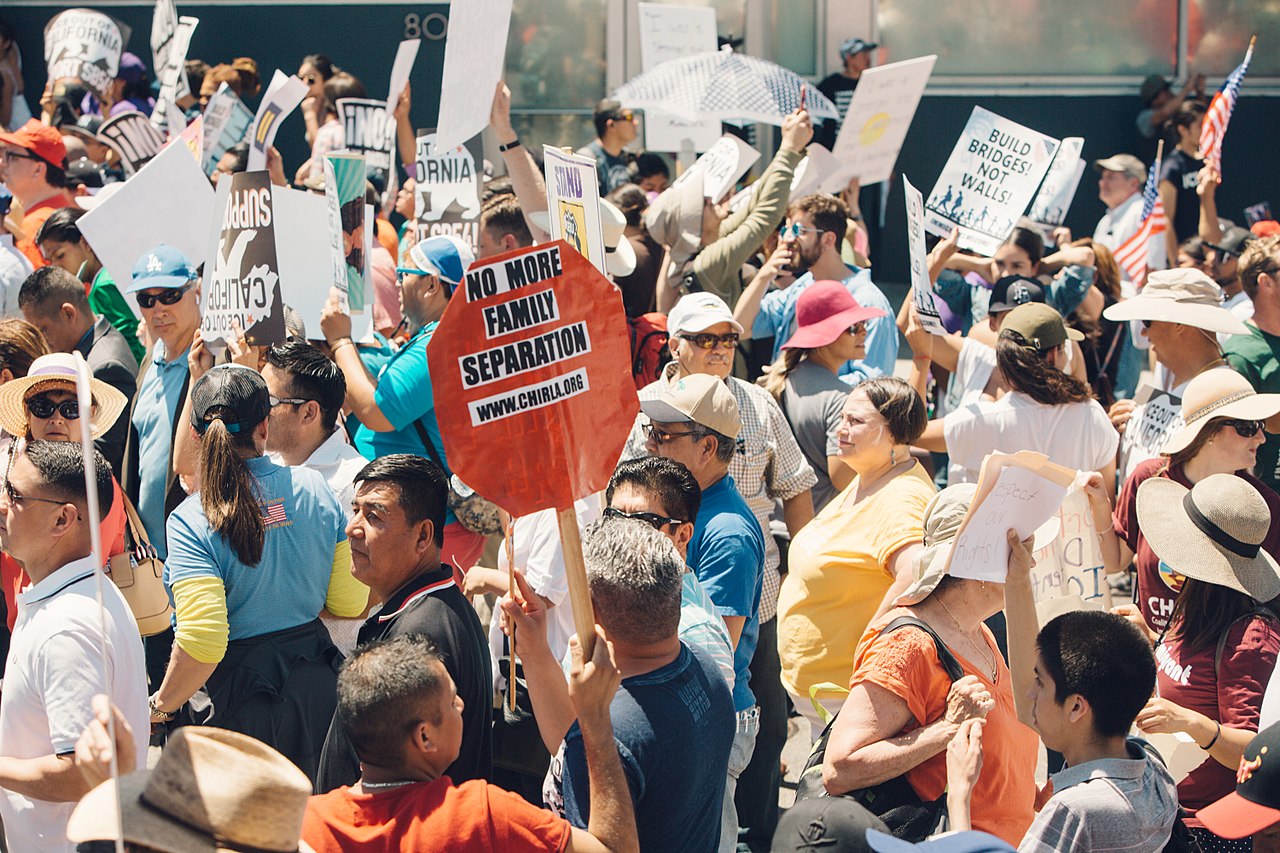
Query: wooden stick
{"points": [[511, 592], [575, 569]]}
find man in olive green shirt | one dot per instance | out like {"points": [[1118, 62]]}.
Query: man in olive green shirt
{"points": [[1256, 356]]}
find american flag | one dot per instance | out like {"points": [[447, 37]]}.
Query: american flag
{"points": [[1219, 114], [273, 513], [1132, 254]]}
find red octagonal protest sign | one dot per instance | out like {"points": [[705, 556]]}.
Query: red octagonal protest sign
{"points": [[531, 373]]}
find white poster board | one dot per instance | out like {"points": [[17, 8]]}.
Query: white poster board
{"points": [[877, 121], [573, 203], [168, 201], [672, 32], [226, 122], [169, 47], [283, 96], [721, 167], [988, 181], [921, 286], [406, 54], [1021, 500], [1053, 199], [1070, 565], [810, 172], [473, 59]]}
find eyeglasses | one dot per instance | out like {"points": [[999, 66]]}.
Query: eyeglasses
{"points": [[280, 401], [706, 340], [42, 407], [1146, 324], [657, 522], [449, 287], [795, 229], [16, 155], [14, 497], [169, 296], [1245, 429], [660, 437], [858, 328]]}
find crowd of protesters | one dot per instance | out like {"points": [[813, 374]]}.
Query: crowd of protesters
{"points": [[310, 622]]}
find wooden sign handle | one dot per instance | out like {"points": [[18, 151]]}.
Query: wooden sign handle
{"points": [[575, 569], [511, 593]]}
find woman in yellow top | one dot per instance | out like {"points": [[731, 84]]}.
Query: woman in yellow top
{"points": [[849, 564]]}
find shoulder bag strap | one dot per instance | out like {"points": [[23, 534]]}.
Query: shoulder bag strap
{"points": [[949, 662], [137, 532], [1263, 610], [429, 445]]}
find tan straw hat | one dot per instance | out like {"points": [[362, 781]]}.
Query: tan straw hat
{"points": [[212, 790], [57, 370], [1219, 393], [1212, 532], [1183, 296], [942, 519]]}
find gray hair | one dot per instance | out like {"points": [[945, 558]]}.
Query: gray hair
{"points": [[635, 575]]}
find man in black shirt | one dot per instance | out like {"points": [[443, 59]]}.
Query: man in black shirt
{"points": [[396, 532]]}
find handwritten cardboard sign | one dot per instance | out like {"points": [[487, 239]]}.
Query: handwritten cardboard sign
{"points": [[1069, 573], [671, 32]]}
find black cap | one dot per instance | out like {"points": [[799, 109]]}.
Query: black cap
{"points": [[1233, 240], [232, 393], [825, 825], [1014, 290]]}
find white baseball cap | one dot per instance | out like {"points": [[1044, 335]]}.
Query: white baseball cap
{"points": [[698, 312]]}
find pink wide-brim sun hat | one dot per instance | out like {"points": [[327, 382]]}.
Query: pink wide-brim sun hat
{"points": [[824, 312]]}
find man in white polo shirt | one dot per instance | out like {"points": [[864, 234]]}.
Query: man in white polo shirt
{"points": [[58, 660]]}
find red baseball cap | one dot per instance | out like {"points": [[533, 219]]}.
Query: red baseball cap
{"points": [[41, 140], [1255, 803], [825, 311]]}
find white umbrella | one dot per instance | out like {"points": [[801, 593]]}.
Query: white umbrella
{"points": [[724, 85]]}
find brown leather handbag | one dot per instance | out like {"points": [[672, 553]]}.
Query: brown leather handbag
{"points": [[138, 572]]}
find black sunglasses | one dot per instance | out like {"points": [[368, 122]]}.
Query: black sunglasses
{"points": [[706, 340], [170, 296], [1245, 429], [42, 407], [657, 522]]}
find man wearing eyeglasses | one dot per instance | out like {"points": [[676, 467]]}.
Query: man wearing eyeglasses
{"points": [[695, 421], [60, 657], [396, 410], [33, 161], [1254, 355], [615, 129]]}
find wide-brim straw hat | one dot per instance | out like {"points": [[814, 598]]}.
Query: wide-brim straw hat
{"points": [[1183, 296], [57, 370], [1219, 393], [1212, 532], [212, 790]]}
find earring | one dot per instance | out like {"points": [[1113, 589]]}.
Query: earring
{"points": [[893, 456]]}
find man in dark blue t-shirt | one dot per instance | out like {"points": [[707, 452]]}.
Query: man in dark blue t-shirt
{"points": [[695, 422]]}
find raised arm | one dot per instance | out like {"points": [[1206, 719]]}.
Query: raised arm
{"points": [[526, 180]]}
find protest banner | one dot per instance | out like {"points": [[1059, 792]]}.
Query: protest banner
{"points": [[809, 174], [170, 64], [1019, 491], [1157, 415], [282, 97], [473, 60], [877, 121], [226, 121], [344, 196], [447, 195], [721, 166], [921, 287], [406, 55], [1069, 562], [1053, 199], [988, 181], [672, 32], [368, 130], [133, 137], [85, 45], [242, 279], [533, 353], [168, 201], [573, 202]]}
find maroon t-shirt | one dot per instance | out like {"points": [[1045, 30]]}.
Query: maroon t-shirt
{"points": [[1232, 695], [1157, 583]]}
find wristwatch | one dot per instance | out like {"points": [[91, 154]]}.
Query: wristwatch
{"points": [[165, 716]]}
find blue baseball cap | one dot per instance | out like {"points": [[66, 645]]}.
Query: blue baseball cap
{"points": [[850, 47], [163, 266], [444, 256]]}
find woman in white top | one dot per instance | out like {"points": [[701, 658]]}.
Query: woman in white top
{"points": [[1045, 410]]}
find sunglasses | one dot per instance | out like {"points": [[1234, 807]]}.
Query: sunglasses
{"points": [[42, 407], [858, 328], [625, 115], [170, 296], [14, 497], [280, 401], [795, 229], [657, 522], [706, 340], [401, 272], [660, 437], [1245, 429]]}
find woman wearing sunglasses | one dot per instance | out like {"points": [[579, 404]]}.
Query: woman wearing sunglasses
{"points": [[1223, 431], [42, 406]]}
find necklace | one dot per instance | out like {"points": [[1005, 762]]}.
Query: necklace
{"points": [[386, 786], [863, 490], [982, 659]]}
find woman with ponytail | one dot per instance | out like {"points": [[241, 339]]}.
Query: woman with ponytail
{"points": [[1045, 409], [832, 329], [254, 558]]}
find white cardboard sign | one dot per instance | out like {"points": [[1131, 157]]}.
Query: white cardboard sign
{"points": [[573, 203], [283, 96], [921, 286], [473, 59], [877, 121], [672, 32], [721, 166], [1053, 199]]}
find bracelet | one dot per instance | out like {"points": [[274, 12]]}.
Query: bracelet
{"points": [[515, 143], [340, 343], [1216, 735], [166, 716]]}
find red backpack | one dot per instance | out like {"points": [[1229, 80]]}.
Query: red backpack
{"points": [[649, 352]]}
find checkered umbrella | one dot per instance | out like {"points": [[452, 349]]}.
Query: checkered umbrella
{"points": [[723, 85]]}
